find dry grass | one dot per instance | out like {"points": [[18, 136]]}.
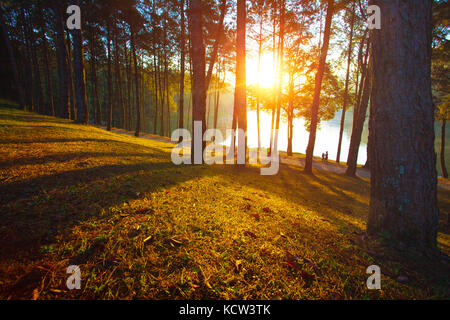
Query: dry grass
{"points": [[140, 227]]}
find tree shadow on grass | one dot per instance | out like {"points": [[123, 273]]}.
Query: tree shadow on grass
{"points": [[342, 201], [32, 218]]}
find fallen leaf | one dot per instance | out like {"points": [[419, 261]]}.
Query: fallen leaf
{"points": [[256, 216]]}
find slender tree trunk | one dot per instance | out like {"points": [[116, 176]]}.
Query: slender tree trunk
{"points": [[199, 81], [223, 10], [17, 84], [155, 117], [347, 77], [280, 74], [95, 96], [61, 53], [48, 79], [166, 81], [28, 65], [240, 98], [79, 78], [317, 89], [182, 71], [260, 40], [129, 80], [443, 166], [136, 79], [216, 106], [274, 24], [161, 95], [290, 113], [403, 202], [109, 76], [358, 126], [37, 84], [70, 78], [119, 81]]}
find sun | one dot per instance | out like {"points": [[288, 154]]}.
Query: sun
{"points": [[266, 77]]}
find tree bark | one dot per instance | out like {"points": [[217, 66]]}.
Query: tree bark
{"points": [[347, 77], [37, 85], [280, 74], [136, 80], [79, 78], [119, 81], [70, 78], [61, 53], [223, 10], [12, 60], [443, 166], [403, 202], [240, 97], [317, 88], [94, 79], [182, 69], [198, 64], [109, 80], [48, 79], [358, 127]]}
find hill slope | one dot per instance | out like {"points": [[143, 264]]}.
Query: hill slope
{"points": [[140, 227]]}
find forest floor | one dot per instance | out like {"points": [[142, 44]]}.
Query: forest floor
{"points": [[141, 227]]}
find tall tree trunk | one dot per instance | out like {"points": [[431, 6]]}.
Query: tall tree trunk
{"points": [[70, 79], [260, 41], [199, 81], [182, 67], [443, 166], [318, 87], [94, 79], [155, 117], [28, 65], [129, 80], [290, 113], [119, 81], [403, 200], [280, 74], [358, 126], [109, 80], [274, 59], [240, 98], [17, 83], [223, 10], [61, 53], [136, 80], [347, 77], [216, 106], [37, 85], [166, 81], [79, 78], [161, 95], [48, 79]]}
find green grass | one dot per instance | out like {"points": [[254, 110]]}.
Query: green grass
{"points": [[140, 227]]}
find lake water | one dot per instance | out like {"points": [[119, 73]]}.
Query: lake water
{"points": [[326, 139]]}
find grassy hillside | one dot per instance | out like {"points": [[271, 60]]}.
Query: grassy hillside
{"points": [[140, 227]]}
